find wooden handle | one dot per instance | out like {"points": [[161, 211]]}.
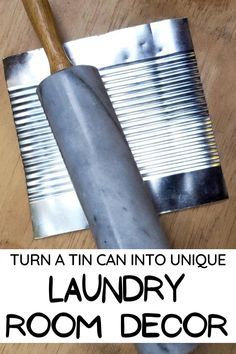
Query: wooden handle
{"points": [[41, 17]]}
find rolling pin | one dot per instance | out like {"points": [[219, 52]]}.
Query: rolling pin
{"points": [[106, 179]]}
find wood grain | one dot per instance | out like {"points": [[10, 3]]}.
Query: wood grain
{"points": [[213, 28], [41, 17]]}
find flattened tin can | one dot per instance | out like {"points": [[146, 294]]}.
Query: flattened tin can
{"points": [[151, 75]]}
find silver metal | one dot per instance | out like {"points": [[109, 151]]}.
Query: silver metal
{"points": [[162, 110], [151, 75]]}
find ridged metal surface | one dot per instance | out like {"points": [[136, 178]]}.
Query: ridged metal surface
{"points": [[46, 174], [162, 110]]}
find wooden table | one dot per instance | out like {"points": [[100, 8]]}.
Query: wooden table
{"points": [[213, 26]]}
